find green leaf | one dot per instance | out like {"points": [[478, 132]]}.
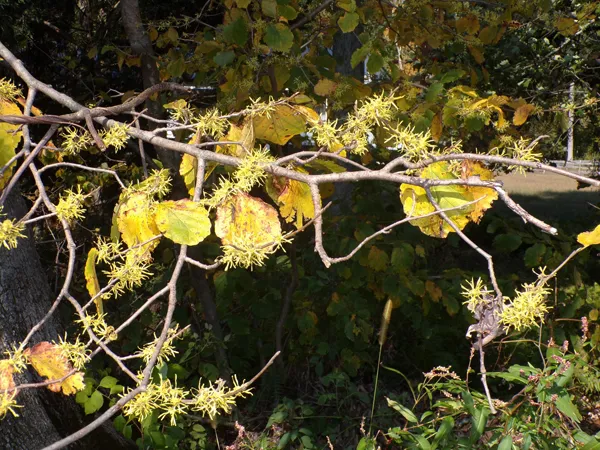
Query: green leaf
{"points": [[507, 242], [403, 256], [108, 382], [176, 66], [224, 58], [374, 63], [506, 443], [366, 443], [183, 221], [277, 417], [287, 12], [434, 91], [94, 403], [406, 413], [445, 428], [269, 8], [452, 75], [348, 22], [236, 32], [566, 406], [378, 259], [284, 441], [534, 254], [279, 37], [422, 442], [479, 422], [359, 55]]}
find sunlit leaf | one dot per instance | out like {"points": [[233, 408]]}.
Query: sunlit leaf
{"points": [[91, 278], [285, 122], [522, 113], [248, 220], [415, 202], [589, 237], [9, 139], [188, 171], [325, 87], [294, 199], [48, 361], [135, 221], [244, 135], [182, 221]]}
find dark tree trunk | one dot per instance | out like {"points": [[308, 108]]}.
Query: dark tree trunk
{"points": [[25, 297]]}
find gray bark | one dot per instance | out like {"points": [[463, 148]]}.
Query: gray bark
{"points": [[25, 297]]}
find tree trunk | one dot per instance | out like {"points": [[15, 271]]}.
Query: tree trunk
{"points": [[25, 297]]}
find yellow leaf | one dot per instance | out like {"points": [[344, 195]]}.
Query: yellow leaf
{"points": [[283, 123], [188, 171], [486, 195], [589, 237], [566, 26], [247, 220], [9, 139], [183, 221], [469, 24], [48, 361], [522, 113], [244, 135], [378, 260], [135, 221], [91, 278], [325, 87], [35, 111], [477, 54], [437, 127], [415, 202], [6, 375], [434, 291]]}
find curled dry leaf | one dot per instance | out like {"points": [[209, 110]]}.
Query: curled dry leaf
{"points": [[48, 361]]}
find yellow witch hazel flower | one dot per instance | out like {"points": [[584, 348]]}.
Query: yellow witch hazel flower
{"points": [[8, 91], [476, 294], [70, 205], [115, 136], [10, 232], [527, 308]]}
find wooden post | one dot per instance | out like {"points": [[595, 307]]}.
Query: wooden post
{"points": [[570, 131]]}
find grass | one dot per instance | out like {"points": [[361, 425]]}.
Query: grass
{"points": [[553, 197]]}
